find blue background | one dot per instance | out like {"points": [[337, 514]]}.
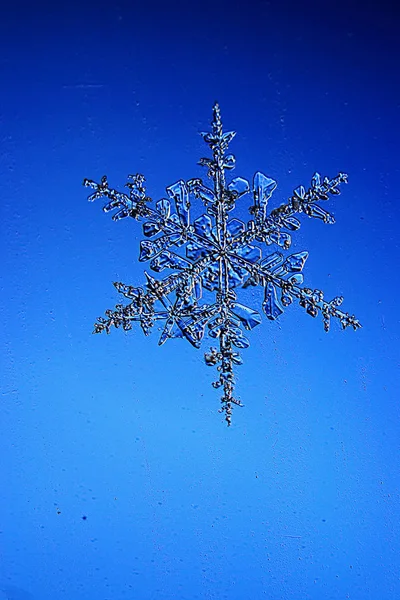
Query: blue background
{"points": [[119, 477]]}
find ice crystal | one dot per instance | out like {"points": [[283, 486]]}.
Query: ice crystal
{"points": [[218, 255]]}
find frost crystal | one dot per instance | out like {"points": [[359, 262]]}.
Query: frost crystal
{"points": [[218, 255]]}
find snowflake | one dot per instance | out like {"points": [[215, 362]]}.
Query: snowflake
{"points": [[220, 255]]}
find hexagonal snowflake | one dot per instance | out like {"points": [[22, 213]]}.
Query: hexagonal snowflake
{"points": [[215, 256]]}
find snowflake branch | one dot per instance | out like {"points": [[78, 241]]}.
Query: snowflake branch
{"points": [[305, 201]]}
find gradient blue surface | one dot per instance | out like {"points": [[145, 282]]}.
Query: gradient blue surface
{"points": [[119, 477]]}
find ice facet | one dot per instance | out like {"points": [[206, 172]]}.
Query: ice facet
{"points": [[250, 253], [201, 191], [236, 274], [235, 227], [272, 261], [263, 188], [249, 317], [203, 226], [180, 195], [195, 251], [291, 223], [239, 185], [211, 277], [295, 262], [296, 279], [150, 229], [271, 305], [164, 207], [229, 162], [316, 181], [240, 341]]}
